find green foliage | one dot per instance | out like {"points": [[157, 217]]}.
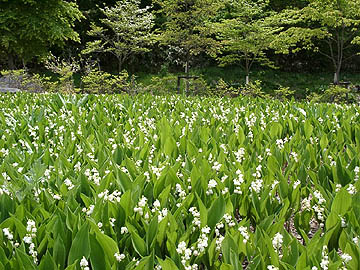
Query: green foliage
{"points": [[134, 182], [335, 93], [65, 69], [163, 85], [254, 89], [333, 22], [100, 82], [29, 28], [23, 80], [283, 93], [187, 27], [125, 31], [246, 33]]}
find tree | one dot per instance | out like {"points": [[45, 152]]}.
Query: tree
{"points": [[28, 28], [334, 22], [187, 27], [125, 30], [246, 32]]}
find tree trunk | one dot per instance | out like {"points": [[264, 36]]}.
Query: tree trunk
{"points": [[11, 61], [120, 66], [187, 68], [336, 78], [247, 79]]}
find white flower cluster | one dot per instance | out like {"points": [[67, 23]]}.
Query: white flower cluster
{"points": [[90, 210], [180, 192], [277, 242], [93, 175], [8, 234], [229, 220], [271, 267], [324, 264], [356, 240], [141, 205], [294, 155], [351, 189], [243, 231], [157, 171], [346, 258], [212, 184], [84, 264], [196, 214], [119, 257], [113, 197], [202, 242], [28, 238], [240, 155], [186, 256], [68, 184], [219, 237], [238, 181], [216, 166], [306, 203], [357, 173], [4, 190], [319, 207], [151, 152], [162, 214], [332, 161], [258, 183]]}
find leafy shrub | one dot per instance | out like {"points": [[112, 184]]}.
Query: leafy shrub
{"points": [[65, 69], [283, 93], [163, 85], [254, 89], [334, 93], [100, 82], [23, 80]]}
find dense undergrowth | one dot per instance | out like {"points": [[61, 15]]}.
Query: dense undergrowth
{"points": [[174, 182]]}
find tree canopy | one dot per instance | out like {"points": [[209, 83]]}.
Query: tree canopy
{"points": [[139, 34], [29, 28]]}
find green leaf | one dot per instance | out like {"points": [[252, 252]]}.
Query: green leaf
{"points": [[203, 211], [167, 264], [308, 129], [227, 245], [138, 243], [24, 260], [81, 245], [108, 245], [59, 253], [47, 262], [97, 255], [226, 266], [234, 259], [341, 203], [216, 212], [324, 142], [151, 232]]}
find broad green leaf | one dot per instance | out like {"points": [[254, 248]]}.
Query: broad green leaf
{"points": [[216, 212], [81, 245], [341, 203], [138, 243], [167, 264]]}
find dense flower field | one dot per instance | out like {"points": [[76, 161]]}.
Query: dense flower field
{"points": [[120, 182]]}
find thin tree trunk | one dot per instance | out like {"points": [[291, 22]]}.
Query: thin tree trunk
{"points": [[187, 68], [11, 61], [247, 79], [247, 68], [336, 77], [120, 65]]}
